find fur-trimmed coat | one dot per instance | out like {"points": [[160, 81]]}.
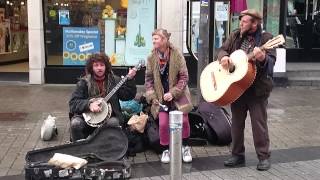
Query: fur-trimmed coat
{"points": [[178, 82]]}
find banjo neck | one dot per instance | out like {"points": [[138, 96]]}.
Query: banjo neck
{"points": [[115, 89], [123, 80]]}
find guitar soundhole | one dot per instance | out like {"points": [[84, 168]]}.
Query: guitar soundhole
{"points": [[232, 69]]}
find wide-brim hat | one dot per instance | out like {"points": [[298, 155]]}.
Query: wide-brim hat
{"points": [[251, 12]]}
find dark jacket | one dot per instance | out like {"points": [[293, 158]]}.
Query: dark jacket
{"points": [[79, 102], [263, 83]]}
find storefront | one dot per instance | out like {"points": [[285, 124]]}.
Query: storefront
{"points": [[223, 19], [303, 31], [13, 31], [76, 29], [64, 32]]}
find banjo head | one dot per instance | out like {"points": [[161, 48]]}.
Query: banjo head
{"points": [[97, 119]]}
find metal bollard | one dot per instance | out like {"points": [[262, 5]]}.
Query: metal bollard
{"points": [[175, 123]]}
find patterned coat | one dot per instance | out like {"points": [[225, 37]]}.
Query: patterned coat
{"points": [[178, 82]]}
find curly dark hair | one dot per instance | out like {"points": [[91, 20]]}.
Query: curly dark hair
{"points": [[98, 57]]}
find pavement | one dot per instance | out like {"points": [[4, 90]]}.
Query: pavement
{"points": [[293, 119]]}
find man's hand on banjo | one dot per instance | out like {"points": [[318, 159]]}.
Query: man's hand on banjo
{"points": [[95, 106], [132, 73]]}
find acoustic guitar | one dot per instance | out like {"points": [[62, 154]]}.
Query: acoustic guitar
{"points": [[223, 86]]}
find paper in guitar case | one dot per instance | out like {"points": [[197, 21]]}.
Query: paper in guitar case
{"points": [[104, 150]]}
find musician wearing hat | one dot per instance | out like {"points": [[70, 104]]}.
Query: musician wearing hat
{"points": [[97, 82], [249, 37]]}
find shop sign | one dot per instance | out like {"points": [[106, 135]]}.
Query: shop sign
{"points": [[64, 17], [204, 3], [221, 13], [79, 43]]}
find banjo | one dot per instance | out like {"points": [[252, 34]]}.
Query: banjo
{"points": [[221, 86], [96, 119]]}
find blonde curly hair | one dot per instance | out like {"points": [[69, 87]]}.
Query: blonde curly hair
{"points": [[162, 33]]}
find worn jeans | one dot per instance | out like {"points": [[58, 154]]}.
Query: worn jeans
{"points": [[79, 129]]}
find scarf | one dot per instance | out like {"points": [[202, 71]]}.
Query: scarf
{"points": [[163, 58], [249, 41], [100, 84]]}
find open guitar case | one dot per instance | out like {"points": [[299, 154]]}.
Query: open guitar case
{"points": [[104, 150]]}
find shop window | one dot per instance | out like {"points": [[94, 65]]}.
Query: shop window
{"points": [[269, 8], [13, 30], [76, 29], [272, 14]]}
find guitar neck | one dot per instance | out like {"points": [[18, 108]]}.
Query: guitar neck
{"points": [[251, 55], [115, 89]]}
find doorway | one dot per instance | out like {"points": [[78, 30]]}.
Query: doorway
{"points": [[303, 31]]}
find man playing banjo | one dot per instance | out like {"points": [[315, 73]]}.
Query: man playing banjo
{"points": [[255, 99], [98, 81]]}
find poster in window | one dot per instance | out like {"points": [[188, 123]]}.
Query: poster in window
{"points": [[64, 17], [140, 24], [79, 43], [2, 12], [5, 37]]}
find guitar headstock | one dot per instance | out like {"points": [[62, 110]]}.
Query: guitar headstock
{"points": [[140, 64], [274, 42]]}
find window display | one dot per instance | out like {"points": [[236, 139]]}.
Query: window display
{"points": [[120, 28], [13, 31]]}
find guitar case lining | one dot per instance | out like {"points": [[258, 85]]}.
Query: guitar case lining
{"points": [[104, 149]]}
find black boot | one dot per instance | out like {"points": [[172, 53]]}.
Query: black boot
{"points": [[235, 161], [264, 165]]}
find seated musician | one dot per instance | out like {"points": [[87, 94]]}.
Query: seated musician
{"points": [[249, 37], [98, 81]]}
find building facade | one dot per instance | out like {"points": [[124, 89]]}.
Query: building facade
{"points": [[62, 33]]}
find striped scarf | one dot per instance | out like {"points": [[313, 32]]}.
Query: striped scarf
{"points": [[248, 44], [163, 59]]}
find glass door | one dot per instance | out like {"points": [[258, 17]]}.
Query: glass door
{"points": [[218, 20], [192, 22], [303, 31]]}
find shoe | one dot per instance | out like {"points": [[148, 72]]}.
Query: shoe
{"points": [[264, 165], [235, 161], [186, 154], [165, 157]]}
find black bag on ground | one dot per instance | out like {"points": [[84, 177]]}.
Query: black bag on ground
{"points": [[198, 136], [104, 150], [217, 123], [137, 142], [152, 134]]}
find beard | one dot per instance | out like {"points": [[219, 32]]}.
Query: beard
{"points": [[244, 32], [99, 74]]}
